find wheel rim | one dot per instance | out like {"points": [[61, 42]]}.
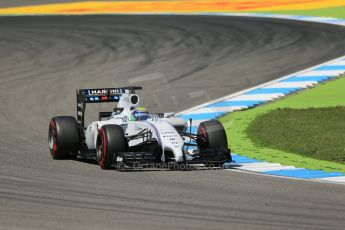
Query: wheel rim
{"points": [[52, 138], [202, 137], [100, 149]]}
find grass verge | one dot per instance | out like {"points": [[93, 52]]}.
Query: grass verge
{"points": [[335, 12], [322, 96], [314, 132]]}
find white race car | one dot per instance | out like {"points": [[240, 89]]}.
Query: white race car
{"points": [[129, 136]]}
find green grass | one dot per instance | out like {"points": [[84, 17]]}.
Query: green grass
{"points": [[336, 12], [331, 94], [315, 132]]}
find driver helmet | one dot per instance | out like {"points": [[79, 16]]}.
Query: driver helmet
{"points": [[140, 114]]}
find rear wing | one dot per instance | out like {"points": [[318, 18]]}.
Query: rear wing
{"points": [[100, 95]]}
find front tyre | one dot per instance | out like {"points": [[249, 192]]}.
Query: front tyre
{"points": [[211, 134], [63, 137], [110, 140]]}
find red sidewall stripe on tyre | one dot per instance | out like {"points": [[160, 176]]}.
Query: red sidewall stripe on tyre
{"points": [[203, 132], [104, 153]]}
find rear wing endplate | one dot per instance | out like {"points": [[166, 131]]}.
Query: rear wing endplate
{"points": [[99, 95]]}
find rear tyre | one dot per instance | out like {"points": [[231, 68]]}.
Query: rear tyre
{"points": [[211, 134], [110, 141], [63, 137]]}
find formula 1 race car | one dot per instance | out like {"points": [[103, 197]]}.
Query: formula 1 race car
{"points": [[129, 136]]}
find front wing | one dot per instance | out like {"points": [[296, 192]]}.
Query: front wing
{"points": [[209, 157]]}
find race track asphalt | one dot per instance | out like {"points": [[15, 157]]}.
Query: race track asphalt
{"points": [[181, 61]]}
